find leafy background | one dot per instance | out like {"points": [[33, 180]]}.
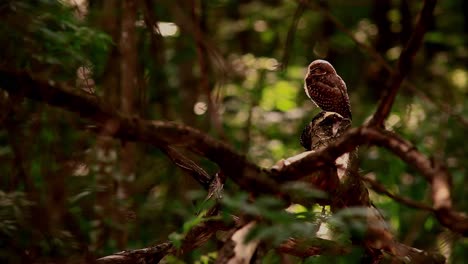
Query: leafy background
{"points": [[54, 204]]}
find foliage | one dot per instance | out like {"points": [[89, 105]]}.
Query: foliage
{"points": [[54, 203], [47, 33]]}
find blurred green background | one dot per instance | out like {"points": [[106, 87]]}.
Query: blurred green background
{"points": [[233, 69]]}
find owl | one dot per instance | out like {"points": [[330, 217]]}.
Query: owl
{"points": [[326, 88], [324, 128]]}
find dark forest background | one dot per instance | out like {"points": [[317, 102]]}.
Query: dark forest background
{"points": [[234, 70]]}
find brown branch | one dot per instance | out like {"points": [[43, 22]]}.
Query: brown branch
{"points": [[245, 174], [158, 133], [138, 256], [434, 173], [405, 61], [162, 134]]}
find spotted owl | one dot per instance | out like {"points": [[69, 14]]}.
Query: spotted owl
{"points": [[326, 88], [324, 128]]}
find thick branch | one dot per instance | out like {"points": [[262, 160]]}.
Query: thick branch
{"points": [[158, 133], [245, 174], [433, 172]]}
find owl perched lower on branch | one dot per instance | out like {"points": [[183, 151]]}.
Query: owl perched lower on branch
{"points": [[326, 88], [324, 128]]}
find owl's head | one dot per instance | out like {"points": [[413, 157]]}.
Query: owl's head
{"points": [[320, 67], [330, 124], [324, 128]]}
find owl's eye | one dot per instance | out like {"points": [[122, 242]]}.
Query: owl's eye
{"points": [[317, 71]]}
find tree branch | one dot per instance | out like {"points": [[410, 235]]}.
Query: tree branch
{"points": [[138, 256], [247, 175], [158, 133], [405, 61], [434, 173]]}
